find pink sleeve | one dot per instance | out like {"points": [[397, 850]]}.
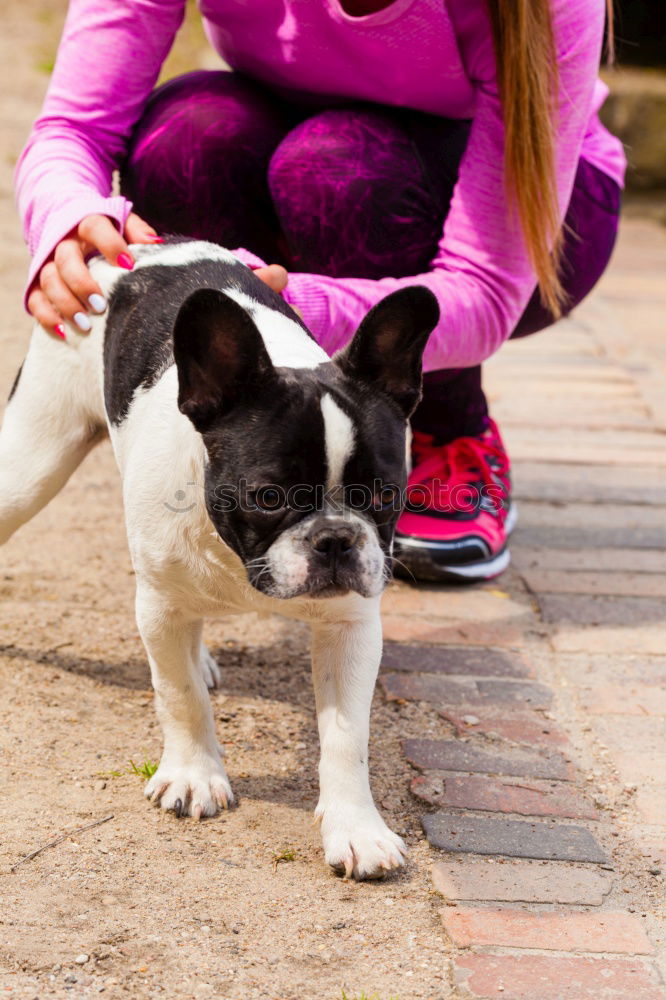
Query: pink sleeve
{"points": [[481, 273], [108, 61]]}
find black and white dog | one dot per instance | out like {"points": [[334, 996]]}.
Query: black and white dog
{"points": [[202, 375]]}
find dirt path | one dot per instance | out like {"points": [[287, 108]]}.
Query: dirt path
{"points": [[163, 907]]}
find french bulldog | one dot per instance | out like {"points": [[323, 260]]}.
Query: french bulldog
{"points": [[200, 374]]}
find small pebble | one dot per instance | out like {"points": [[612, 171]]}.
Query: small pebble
{"points": [[654, 871], [100, 785], [471, 720], [82, 958]]}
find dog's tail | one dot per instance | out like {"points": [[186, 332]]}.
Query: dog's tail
{"points": [[53, 418]]}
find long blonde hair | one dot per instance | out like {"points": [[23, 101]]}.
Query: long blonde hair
{"points": [[528, 83]]}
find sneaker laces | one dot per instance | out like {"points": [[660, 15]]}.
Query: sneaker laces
{"points": [[465, 475]]}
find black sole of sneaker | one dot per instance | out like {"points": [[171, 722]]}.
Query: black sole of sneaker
{"points": [[425, 564], [420, 560]]}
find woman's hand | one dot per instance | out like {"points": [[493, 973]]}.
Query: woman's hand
{"points": [[64, 289]]}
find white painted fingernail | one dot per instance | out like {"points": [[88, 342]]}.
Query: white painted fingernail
{"points": [[97, 303], [82, 322]]}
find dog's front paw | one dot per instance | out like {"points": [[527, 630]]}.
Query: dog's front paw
{"points": [[358, 843], [198, 789], [209, 668]]}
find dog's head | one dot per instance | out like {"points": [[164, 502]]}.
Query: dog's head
{"points": [[307, 466]]}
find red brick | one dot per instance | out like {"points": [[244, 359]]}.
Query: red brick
{"points": [[405, 629], [519, 882], [456, 755], [612, 931], [515, 838], [626, 699], [494, 795], [469, 661], [546, 977], [651, 804], [465, 691], [518, 727]]}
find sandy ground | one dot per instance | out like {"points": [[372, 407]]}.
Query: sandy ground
{"points": [[163, 907]]}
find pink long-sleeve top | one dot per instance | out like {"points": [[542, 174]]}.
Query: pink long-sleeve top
{"points": [[428, 55]]}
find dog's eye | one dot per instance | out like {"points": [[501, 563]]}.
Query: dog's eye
{"points": [[387, 498], [268, 499]]}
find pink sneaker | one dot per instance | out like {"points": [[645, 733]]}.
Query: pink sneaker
{"points": [[458, 512]]}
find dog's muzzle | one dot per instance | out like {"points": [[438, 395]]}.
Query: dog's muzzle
{"points": [[323, 556]]}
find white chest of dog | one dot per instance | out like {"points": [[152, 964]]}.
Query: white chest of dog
{"points": [[205, 379]]}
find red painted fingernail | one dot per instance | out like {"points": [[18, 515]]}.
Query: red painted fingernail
{"points": [[124, 260], [156, 239], [59, 331]]}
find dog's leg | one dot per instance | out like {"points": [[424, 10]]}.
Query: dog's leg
{"points": [[48, 429], [345, 660], [209, 668], [191, 779]]}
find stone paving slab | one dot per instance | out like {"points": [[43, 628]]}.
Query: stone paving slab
{"points": [[620, 448], [616, 560], [433, 602], [626, 699], [454, 755], [439, 788], [542, 977], [448, 660], [630, 612], [574, 526], [649, 639], [642, 733], [651, 804], [497, 835], [630, 416], [575, 931], [474, 879], [554, 581], [450, 691], [542, 481], [638, 768]]}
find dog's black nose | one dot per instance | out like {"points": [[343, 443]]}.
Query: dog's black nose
{"points": [[333, 541]]}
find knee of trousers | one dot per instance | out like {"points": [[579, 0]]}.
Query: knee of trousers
{"points": [[337, 160], [204, 117]]}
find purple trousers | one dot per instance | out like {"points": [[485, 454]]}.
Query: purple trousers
{"points": [[354, 190]]}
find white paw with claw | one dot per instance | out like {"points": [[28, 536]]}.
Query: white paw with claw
{"points": [[197, 789], [209, 668], [358, 843]]}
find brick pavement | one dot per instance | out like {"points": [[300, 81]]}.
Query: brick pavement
{"points": [[543, 777]]}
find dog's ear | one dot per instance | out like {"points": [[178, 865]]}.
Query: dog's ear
{"points": [[387, 348], [220, 356]]}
